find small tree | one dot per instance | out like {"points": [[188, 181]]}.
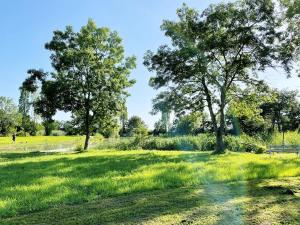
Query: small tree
{"points": [[215, 52], [136, 127]]}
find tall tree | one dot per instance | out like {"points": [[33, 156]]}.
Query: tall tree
{"points": [[90, 78], [215, 52]]}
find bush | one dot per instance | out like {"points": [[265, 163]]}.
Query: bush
{"points": [[244, 143], [200, 143], [203, 142], [57, 133], [40, 133]]}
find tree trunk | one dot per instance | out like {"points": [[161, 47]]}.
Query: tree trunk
{"points": [[87, 141], [87, 130], [220, 148]]}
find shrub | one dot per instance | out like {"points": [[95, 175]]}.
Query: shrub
{"points": [[57, 133], [203, 142], [244, 143], [40, 133]]}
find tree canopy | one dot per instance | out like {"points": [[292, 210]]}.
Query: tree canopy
{"points": [[215, 52], [90, 77]]}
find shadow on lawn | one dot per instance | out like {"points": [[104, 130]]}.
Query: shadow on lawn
{"points": [[85, 178], [209, 204]]}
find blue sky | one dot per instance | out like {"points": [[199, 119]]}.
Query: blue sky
{"points": [[26, 25]]}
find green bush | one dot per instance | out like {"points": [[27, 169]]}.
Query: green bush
{"points": [[203, 142], [57, 133], [244, 143]]}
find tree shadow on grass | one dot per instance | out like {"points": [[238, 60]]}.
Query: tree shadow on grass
{"points": [[224, 203], [44, 182], [78, 180]]}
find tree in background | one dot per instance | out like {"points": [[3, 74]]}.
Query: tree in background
{"points": [[244, 112], [216, 52], [136, 127], [190, 124], [162, 105], [263, 112], [123, 121], [10, 118], [90, 78], [29, 124], [284, 112], [46, 102]]}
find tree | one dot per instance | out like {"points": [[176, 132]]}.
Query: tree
{"points": [[244, 112], [136, 127], [10, 118], [189, 124], [90, 78], [28, 124], [123, 121], [283, 112], [162, 105], [45, 105], [216, 52]]}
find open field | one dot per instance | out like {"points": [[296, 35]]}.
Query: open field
{"points": [[169, 187], [39, 139], [38, 143]]}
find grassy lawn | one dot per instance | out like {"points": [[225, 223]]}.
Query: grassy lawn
{"points": [[39, 139], [149, 187], [37, 143]]}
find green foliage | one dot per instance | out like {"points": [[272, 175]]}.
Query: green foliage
{"points": [[57, 133], [283, 112], [293, 7], [212, 53], [189, 124], [136, 127], [90, 78], [50, 125], [202, 142], [111, 132], [244, 143], [10, 118], [290, 138], [27, 124]]}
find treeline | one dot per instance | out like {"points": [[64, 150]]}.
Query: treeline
{"points": [[258, 114], [208, 74]]}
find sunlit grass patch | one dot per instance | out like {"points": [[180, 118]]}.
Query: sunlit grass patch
{"points": [[31, 182], [39, 139]]}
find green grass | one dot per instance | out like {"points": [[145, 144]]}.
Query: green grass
{"points": [[38, 143], [31, 182], [237, 203], [39, 139]]}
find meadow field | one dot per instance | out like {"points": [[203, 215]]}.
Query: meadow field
{"points": [[149, 187], [42, 143]]}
